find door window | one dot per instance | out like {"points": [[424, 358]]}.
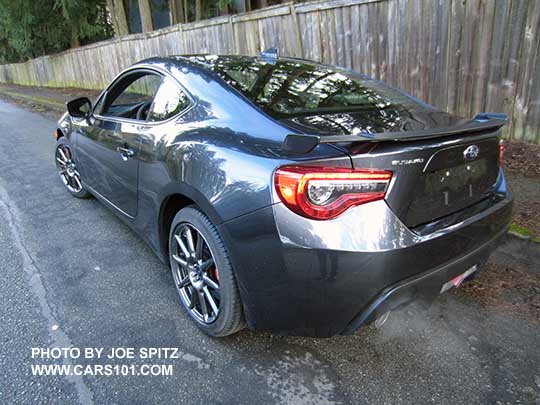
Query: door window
{"points": [[170, 100], [132, 96]]}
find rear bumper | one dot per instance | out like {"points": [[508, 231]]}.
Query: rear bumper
{"points": [[322, 278], [425, 286]]}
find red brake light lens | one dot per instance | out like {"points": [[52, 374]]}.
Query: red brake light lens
{"points": [[325, 193], [502, 147]]}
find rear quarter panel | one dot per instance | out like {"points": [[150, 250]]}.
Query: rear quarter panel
{"points": [[222, 161]]}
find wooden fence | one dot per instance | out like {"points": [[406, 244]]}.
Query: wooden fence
{"points": [[464, 56]]}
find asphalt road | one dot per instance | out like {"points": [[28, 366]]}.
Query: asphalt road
{"points": [[74, 276]]}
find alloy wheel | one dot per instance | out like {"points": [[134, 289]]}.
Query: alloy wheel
{"points": [[67, 169], [195, 273]]}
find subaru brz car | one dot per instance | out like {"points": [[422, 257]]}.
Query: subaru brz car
{"points": [[286, 195]]}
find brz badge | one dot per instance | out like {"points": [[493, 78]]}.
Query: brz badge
{"points": [[471, 152]]}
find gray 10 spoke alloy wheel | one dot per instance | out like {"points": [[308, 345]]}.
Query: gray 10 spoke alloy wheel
{"points": [[195, 274], [67, 170]]}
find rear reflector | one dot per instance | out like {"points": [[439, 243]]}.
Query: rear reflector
{"points": [[324, 192], [502, 148], [456, 281]]}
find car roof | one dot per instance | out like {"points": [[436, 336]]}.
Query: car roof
{"points": [[208, 62]]}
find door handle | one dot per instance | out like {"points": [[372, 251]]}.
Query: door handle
{"points": [[125, 153]]}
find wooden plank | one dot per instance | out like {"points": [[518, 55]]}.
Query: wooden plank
{"points": [[372, 37], [495, 97], [305, 25], [317, 37], [382, 40], [473, 35], [455, 55], [465, 74], [321, 6], [334, 45], [532, 124], [267, 12], [426, 63], [205, 23], [347, 38], [413, 46], [267, 34], [440, 55], [249, 37], [356, 43], [524, 100], [401, 51], [364, 41], [339, 33], [433, 57], [299, 49], [324, 33], [393, 42], [511, 55], [485, 42]]}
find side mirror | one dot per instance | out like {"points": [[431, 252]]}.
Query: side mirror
{"points": [[80, 107]]}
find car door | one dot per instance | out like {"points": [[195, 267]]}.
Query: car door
{"points": [[108, 147]]}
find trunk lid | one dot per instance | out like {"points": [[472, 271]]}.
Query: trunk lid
{"points": [[434, 178], [441, 165]]}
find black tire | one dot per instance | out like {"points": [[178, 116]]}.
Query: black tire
{"points": [[72, 185], [229, 318]]}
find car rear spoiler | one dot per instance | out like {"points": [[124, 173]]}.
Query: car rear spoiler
{"points": [[482, 122]]}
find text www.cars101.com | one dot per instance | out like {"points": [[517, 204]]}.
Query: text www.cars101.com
{"points": [[102, 370]]}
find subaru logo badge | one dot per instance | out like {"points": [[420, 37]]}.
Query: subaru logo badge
{"points": [[471, 152]]}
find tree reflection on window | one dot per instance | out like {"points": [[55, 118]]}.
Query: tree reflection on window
{"points": [[290, 88], [169, 101]]}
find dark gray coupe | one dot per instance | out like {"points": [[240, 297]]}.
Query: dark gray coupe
{"points": [[287, 195]]}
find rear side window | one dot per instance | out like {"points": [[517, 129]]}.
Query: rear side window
{"points": [[169, 100], [244, 79]]}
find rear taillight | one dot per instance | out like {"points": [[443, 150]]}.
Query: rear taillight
{"points": [[501, 152], [325, 193]]}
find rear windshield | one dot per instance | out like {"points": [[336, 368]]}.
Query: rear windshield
{"points": [[290, 88]]}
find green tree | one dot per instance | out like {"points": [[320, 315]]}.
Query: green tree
{"points": [[86, 20], [28, 29], [31, 28]]}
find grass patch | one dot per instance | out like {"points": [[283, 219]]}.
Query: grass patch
{"points": [[34, 99], [520, 230]]}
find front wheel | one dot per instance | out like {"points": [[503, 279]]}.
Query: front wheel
{"points": [[203, 274], [67, 170]]}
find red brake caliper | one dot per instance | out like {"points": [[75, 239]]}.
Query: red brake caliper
{"points": [[216, 274]]}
